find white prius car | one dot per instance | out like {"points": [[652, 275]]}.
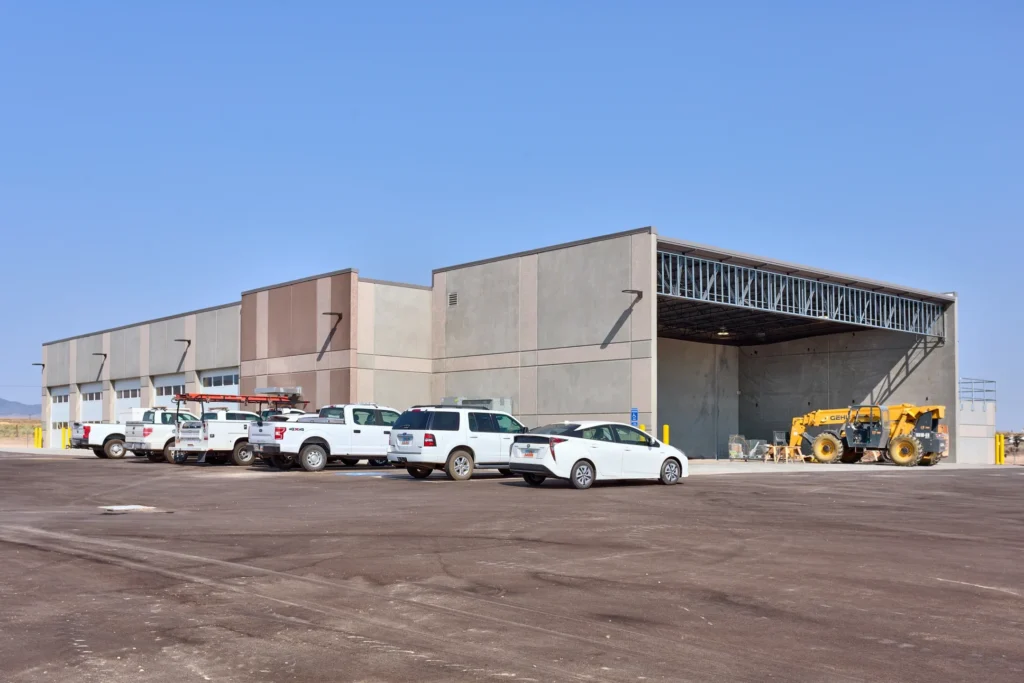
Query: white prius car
{"points": [[585, 452]]}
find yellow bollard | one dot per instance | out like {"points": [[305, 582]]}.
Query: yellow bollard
{"points": [[65, 437], [643, 428], [1000, 449], [664, 433]]}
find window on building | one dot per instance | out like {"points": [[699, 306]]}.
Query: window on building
{"points": [[218, 381], [207, 381]]}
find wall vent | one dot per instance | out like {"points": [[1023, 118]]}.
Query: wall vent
{"points": [[453, 299]]}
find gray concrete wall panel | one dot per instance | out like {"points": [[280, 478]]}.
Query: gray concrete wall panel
{"points": [[167, 356], [217, 338], [697, 396], [579, 294], [401, 321], [89, 367], [58, 364], [486, 318], [125, 351], [583, 388]]}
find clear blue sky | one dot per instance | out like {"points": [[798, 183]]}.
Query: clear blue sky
{"points": [[235, 144]]}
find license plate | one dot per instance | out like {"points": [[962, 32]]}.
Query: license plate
{"points": [[405, 439], [257, 448], [133, 446], [529, 453]]}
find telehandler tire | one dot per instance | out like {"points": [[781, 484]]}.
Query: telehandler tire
{"points": [[906, 451], [850, 456], [826, 448]]}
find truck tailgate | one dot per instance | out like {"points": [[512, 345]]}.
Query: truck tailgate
{"points": [[265, 433]]}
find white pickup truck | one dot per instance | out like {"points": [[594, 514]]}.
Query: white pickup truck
{"points": [[106, 439], [347, 433], [153, 435], [221, 435]]}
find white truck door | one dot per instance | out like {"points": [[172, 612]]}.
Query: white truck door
{"points": [[367, 436], [508, 427]]}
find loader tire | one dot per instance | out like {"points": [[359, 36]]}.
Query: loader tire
{"points": [[929, 459], [906, 451], [826, 448], [850, 456]]}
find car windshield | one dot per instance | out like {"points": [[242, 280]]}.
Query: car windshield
{"points": [[412, 419], [559, 429]]}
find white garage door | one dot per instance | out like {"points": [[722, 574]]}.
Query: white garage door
{"points": [[222, 381], [127, 395], [92, 401], [165, 387], [60, 415]]}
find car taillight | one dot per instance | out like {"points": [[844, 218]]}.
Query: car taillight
{"points": [[551, 444], [279, 433], [146, 431], [429, 440], [85, 431]]}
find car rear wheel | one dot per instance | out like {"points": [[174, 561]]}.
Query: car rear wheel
{"points": [[582, 476], [242, 455], [534, 479], [350, 462], [459, 466], [114, 449], [99, 453], [313, 458], [419, 472]]}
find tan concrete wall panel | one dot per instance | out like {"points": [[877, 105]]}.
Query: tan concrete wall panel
{"points": [[247, 342], [344, 292]]}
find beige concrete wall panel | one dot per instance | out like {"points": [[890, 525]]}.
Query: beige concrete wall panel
{"points": [[438, 315], [499, 383], [486, 318], [144, 351], [366, 361], [584, 388], [528, 302], [528, 390], [292, 326], [344, 300], [291, 364], [366, 328], [438, 386], [641, 384], [403, 364], [125, 353], [580, 298], [583, 354], [401, 322], [643, 321], [306, 380], [247, 368], [323, 390], [400, 390], [364, 386], [486, 362], [262, 324], [641, 349], [341, 385]]}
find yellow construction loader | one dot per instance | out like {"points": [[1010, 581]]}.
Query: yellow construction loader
{"points": [[905, 434]]}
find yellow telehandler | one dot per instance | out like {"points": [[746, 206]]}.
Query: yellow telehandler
{"points": [[906, 434]]}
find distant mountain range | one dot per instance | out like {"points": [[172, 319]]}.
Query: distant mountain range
{"points": [[15, 409]]}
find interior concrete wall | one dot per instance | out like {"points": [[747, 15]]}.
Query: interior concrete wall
{"points": [[552, 330], [698, 387], [780, 381]]}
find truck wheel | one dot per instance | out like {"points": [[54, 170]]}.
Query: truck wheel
{"points": [[99, 453], [281, 462], [313, 458], [169, 452], [826, 448], [459, 466], [350, 462], [379, 462], [419, 472], [114, 448], [155, 457], [242, 455], [905, 451]]}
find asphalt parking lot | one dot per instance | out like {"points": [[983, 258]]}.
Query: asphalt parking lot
{"points": [[253, 575]]}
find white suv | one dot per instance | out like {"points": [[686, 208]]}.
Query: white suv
{"points": [[453, 439]]}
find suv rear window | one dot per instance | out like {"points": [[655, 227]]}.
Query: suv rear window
{"points": [[555, 429], [444, 421], [412, 419]]}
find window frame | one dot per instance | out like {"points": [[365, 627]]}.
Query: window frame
{"points": [[648, 440]]}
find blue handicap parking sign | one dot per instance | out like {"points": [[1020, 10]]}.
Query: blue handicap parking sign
{"points": [[634, 417]]}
